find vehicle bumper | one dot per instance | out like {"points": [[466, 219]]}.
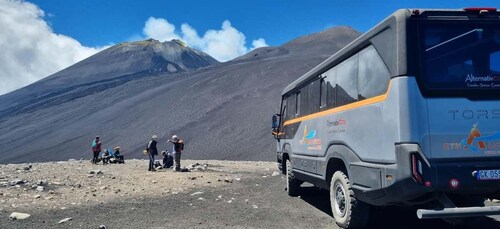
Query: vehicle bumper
{"points": [[399, 187]]}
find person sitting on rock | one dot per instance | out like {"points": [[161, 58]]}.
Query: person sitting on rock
{"points": [[106, 156], [118, 156], [168, 160]]}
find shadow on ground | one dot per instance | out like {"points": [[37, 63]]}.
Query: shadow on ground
{"points": [[392, 217]]}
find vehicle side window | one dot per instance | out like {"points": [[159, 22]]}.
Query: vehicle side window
{"points": [[331, 83], [290, 104], [313, 94], [347, 81], [304, 101], [373, 75], [323, 88], [298, 103]]}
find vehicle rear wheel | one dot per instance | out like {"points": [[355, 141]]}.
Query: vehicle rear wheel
{"points": [[292, 184], [347, 211]]}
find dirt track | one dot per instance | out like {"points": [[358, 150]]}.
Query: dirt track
{"points": [[224, 195]]}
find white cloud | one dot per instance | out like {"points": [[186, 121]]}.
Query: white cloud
{"points": [[224, 44], [30, 50], [259, 43], [159, 29]]}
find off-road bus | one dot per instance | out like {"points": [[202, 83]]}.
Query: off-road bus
{"points": [[406, 114]]}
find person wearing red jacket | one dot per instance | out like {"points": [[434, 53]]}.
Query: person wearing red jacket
{"points": [[96, 149]]}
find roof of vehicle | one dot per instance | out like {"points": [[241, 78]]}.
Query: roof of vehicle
{"points": [[391, 45]]}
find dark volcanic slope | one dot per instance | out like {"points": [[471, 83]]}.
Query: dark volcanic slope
{"points": [[222, 112]]}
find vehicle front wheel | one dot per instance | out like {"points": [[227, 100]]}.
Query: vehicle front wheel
{"points": [[292, 184], [347, 211]]}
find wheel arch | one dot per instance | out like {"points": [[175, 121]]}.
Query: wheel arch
{"points": [[286, 156], [335, 164], [338, 158]]}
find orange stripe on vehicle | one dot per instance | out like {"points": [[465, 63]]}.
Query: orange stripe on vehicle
{"points": [[365, 102]]}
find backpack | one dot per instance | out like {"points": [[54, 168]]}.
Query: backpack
{"points": [[181, 145], [146, 150], [94, 145]]}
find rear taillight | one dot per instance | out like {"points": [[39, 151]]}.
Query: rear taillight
{"points": [[416, 168], [480, 9]]}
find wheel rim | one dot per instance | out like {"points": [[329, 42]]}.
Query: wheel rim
{"points": [[339, 199]]}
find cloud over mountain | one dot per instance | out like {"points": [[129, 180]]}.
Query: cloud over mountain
{"points": [[223, 44], [30, 48]]}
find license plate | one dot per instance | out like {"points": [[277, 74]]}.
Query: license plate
{"points": [[488, 174]]}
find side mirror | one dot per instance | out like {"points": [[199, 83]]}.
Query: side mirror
{"points": [[275, 121]]}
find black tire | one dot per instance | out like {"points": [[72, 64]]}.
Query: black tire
{"points": [[347, 211], [292, 184]]}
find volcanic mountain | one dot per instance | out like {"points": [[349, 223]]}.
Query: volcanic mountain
{"points": [[114, 65], [131, 91]]}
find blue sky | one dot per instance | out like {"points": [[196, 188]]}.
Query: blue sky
{"points": [[41, 37], [98, 23]]}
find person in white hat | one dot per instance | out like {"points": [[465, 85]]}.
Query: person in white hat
{"points": [[177, 150]]}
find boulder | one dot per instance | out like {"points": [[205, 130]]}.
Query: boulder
{"points": [[65, 220], [19, 216], [196, 193], [17, 182], [95, 172]]}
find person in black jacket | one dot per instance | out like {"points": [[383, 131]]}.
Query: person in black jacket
{"points": [[152, 152]]}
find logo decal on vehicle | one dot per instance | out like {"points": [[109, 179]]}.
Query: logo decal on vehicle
{"points": [[475, 142], [310, 140], [336, 126], [488, 81]]}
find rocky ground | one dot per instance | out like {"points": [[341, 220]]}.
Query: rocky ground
{"points": [[213, 194]]}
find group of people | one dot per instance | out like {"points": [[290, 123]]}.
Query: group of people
{"points": [[108, 156], [169, 157], [175, 154]]}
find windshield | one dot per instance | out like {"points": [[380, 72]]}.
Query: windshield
{"points": [[463, 56]]}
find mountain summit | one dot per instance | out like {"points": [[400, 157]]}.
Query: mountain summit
{"points": [[154, 56]]}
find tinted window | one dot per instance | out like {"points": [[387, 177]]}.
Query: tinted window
{"points": [[330, 88], [373, 75], [309, 98], [347, 81], [323, 86], [304, 100], [314, 95], [290, 107], [298, 103], [461, 56]]}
